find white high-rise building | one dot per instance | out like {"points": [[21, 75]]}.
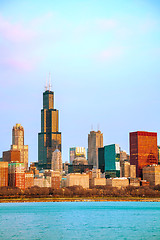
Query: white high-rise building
{"points": [[56, 164]]}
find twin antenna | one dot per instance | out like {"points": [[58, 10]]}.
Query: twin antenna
{"points": [[97, 127], [46, 87]]}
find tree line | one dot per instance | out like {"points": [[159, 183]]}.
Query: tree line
{"points": [[78, 191]]}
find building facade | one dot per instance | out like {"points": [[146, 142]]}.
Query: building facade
{"points": [[56, 161], [18, 144], [95, 141], [109, 160], [16, 175], [55, 180], [117, 182], [29, 179], [77, 179], [76, 152], [3, 174], [127, 170], [12, 156], [49, 139], [80, 168], [152, 174], [143, 150]]}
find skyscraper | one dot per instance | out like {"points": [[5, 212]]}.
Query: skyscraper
{"points": [[109, 159], [18, 144], [95, 141], [49, 139], [56, 164], [143, 150]]}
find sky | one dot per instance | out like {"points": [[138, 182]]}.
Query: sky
{"points": [[103, 57]]}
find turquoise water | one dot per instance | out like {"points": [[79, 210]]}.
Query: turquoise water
{"points": [[80, 220]]}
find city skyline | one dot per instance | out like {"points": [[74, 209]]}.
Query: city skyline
{"points": [[104, 62]]}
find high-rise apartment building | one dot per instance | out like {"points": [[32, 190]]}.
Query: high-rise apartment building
{"points": [[95, 141], [49, 139], [143, 150], [18, 144], [56, 161]]}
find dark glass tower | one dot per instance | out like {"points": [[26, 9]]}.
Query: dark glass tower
{"points": [[49, 138]]}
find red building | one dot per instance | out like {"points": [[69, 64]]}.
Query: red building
{"points": [[55, 180], [11, 156], [143, 150], [16, 175]]}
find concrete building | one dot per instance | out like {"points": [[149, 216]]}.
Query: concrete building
{"points": [[16, 175], [77, 179], [75, 152], [143, 150], [29, 179], [56, 164], [152, 174], [132, 171], [127, 170], [3, 174], [18, 144], [117, 182], [49, 139], [95, 141], [42, 181], [96, 178]]}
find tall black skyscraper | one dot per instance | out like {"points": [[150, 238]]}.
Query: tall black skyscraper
{"points": [[49, 138]]}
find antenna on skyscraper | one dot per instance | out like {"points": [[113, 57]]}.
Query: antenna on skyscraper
{"points": [[49, 81], [98, 126], [92, 127], [46, 83]]}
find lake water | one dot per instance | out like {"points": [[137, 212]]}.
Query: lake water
{"points": [[80, 220]]}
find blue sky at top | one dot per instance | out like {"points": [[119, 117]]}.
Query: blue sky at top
{"points": [[104, 60]]}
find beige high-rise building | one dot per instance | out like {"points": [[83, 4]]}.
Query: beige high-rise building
{"points": [[95, 141], [18, 143], [152, 174], [56, 164], [127, 170]]}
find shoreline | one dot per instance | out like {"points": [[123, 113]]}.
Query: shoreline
{"points": [[114, 199]]}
